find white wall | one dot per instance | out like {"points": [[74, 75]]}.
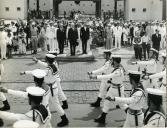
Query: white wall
{"points": [[153, 10], [87, 6], [109, 5], [44, 5], [13, 13]]}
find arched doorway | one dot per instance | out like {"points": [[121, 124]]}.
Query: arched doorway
{"points": [[97, 8]]}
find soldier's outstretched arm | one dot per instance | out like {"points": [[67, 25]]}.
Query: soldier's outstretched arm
{"points": [[128, 100], [157, 75], [13, 116], [17, 93], [109, 76], [40, 62], [103, 68]]}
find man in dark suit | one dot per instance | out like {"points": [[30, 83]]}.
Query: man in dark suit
{"points": [[84, 33], [72, 37], [61, 37], [156, 39]]}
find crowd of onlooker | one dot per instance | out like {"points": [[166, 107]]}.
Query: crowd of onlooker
{"points": [[53, 35]]}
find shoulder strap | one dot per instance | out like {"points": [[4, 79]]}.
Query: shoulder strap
{"points": [[42, 111], [115, 69], [137, 89], [53, 68], [147, 118]]}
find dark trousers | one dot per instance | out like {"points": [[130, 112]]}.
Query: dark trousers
{"points": [[72, 49], [61, 46], [9, 51], [155, 53], [84, 46], [138, 52], [146, 48]]}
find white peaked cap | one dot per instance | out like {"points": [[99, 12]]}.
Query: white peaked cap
{"points": [[116, 56], [38, 73], [154, 91], [50, 55], [106, 50], [25, 124], [134, 72], [35, 91]]}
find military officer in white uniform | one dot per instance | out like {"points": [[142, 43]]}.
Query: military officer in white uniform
{"points": [[25, 124], [38, 112], [154, 116], [51, 35], [105, 69], [136, 101], [53, 80], [115, 79]]}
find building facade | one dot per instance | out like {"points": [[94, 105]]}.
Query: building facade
{"points": [[133, 9], [13, 9], [145, 9]]}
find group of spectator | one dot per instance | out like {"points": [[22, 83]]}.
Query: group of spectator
{"points": [[53, 35]]}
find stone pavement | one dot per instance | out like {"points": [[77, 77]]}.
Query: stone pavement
{"points": [[79, 89]]}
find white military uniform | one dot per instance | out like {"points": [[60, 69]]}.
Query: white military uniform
{"points": [[162, 86], [50, 34], [2, 96], [117, 33], [155, 118], [56, 78], [116, 88], [150, 68], [34, 114], [55, 43], [136, 101], [56, 90], [25, 124], [135, 116], [104, 85], [3, 43]]}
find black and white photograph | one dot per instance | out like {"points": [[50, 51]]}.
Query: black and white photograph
{"points": [[83, 63]]}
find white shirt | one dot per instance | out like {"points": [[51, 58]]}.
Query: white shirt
{"points": [[145, 39]]}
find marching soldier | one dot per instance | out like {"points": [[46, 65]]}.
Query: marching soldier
{"points": [[53, 80], [154, 116], [25, 124], [53, 71], [135, 116], [115, 78], [149, 68], [38, 112], [104, 85]]}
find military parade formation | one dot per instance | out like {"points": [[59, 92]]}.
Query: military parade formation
{"points": [[145, 106]]}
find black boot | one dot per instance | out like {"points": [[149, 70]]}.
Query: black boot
{"points": [[63, 122], [101, 119], [1, 122], [65, 104], [6, 106], [97, 103]]}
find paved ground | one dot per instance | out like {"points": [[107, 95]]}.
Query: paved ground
{"points": [[79, 89]]}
